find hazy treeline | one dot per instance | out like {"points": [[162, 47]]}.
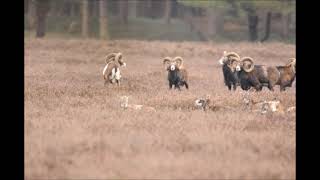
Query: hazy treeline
{"points": [[163, 19]]}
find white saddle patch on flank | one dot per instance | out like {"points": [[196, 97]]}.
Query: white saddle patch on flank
{"points": [[117, 74]]}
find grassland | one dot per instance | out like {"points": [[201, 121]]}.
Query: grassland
{"points": [[75, 129]]}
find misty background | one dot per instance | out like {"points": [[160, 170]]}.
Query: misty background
{"points": [[173, 20]]}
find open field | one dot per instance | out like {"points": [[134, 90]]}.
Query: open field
{"points": [[75, 129]]}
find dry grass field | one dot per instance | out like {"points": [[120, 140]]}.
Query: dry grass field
{"points": [[75, 129]]}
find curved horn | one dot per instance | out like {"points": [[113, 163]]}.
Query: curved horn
{"points": [[179, 61], [233, 58], [292, 63], [232, 54], [110, 57], [250, 60], [167, 61], [230, 64], [118, 57]]}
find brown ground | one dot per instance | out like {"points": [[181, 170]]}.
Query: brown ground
{"points": [[75, 129]]}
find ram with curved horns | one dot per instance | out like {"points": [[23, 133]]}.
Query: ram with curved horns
{"points": [[111, 71], [287, 74], [177, 74], [257, 76], [230, 63]]}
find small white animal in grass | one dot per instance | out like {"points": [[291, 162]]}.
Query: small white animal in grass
{"points": [[263, 106], [274, 106], [207, 104], [124, 103], [291, 109], [202, 103]]}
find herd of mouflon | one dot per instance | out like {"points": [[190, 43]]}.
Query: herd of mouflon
{"points": [[237, 71]]}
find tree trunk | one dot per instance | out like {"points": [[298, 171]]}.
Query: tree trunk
{"points": [[123, 11], [103, 20], [67, 8], [31, 15], [54, 8], [96, 8], [93, 9], [72, 9], [59, 8], [211, 22], [215, 21], [268, 25], [167, 13], [85, 17], [187, 17], [219, 22], [133, 8], [285, 25], [42, 9], [292, 21], [141, 11], [253, 21], [149, 6]]}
